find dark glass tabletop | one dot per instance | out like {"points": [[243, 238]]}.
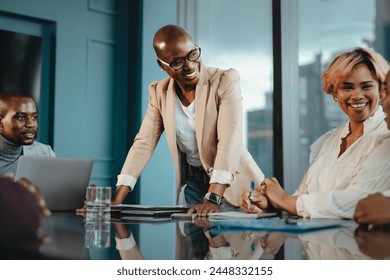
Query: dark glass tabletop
{"points": [[69, 236]]}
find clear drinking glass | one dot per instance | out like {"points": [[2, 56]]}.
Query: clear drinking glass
{"points": [[98, 200]]}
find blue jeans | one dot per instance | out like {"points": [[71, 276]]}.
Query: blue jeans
{"points": [[197, 185]]}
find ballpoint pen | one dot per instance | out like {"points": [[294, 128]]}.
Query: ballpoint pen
{"points": [[250, 204], [250, 194]]}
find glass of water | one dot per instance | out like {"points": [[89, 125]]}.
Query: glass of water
{"points": [[98, 201]]}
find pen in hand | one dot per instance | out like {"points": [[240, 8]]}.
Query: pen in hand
{"points": [[250, 194]]}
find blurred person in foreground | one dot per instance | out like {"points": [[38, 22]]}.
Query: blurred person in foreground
{"points": [[21, 209]]}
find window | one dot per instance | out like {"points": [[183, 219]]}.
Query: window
{"points": [[325, 28], [234, 35]]}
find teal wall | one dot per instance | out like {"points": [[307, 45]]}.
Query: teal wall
{"points": [[102, 63], [158, 178], [89, 79], [157, 182]]}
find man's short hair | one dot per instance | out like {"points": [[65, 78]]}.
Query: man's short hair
{"points": [[5, 97]]}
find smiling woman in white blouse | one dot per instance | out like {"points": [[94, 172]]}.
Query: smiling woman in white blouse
{"points": [[346, 163]]}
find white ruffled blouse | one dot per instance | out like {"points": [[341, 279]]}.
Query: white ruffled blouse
{"points": [[333, 185]]}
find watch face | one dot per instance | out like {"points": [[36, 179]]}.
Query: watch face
{"points": [[214, 198]]}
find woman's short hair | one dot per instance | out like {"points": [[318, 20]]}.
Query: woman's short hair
{"points": [[342, 66]]}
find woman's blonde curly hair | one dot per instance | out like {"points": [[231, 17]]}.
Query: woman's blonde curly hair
{"points": [[341, 67]]}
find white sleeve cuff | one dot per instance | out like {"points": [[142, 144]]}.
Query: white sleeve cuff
{"points": [[125, 244], [126, 180], [222, 177], [386, 193], [301, 209]]}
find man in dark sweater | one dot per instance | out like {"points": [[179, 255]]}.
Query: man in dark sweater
{"points": [[18, 129]]}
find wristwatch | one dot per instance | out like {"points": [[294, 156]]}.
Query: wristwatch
{"points": [[213, 197]]}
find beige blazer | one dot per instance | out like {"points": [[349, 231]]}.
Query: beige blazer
{"points": [[219, 131]]}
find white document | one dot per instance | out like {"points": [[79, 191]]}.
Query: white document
{"points": [[236, 215]]}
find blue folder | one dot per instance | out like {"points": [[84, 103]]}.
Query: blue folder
{"points": [[279, 224]]}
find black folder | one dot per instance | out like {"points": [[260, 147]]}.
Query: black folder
{"points": [[147, 211]]}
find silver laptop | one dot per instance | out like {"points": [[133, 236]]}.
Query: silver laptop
{"points": [[62, 181]]}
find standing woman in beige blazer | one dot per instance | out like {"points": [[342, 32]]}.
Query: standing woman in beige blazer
{"points": [[200, 109]]}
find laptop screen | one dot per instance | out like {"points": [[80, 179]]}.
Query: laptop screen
{"points": [[62, 181]]}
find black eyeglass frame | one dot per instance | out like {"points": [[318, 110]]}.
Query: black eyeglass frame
{"points": [[182, 59]]}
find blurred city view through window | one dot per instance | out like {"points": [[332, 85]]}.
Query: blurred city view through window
{"points": [[326, 29], [238, 34]]}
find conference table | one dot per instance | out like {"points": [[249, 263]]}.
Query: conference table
{"points": [[66, 235]]}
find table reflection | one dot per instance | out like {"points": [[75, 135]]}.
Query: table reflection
{"points": [[125, 243], [97, 233], [334, 244], [197, 240], [68, 236], [374, 241]]}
